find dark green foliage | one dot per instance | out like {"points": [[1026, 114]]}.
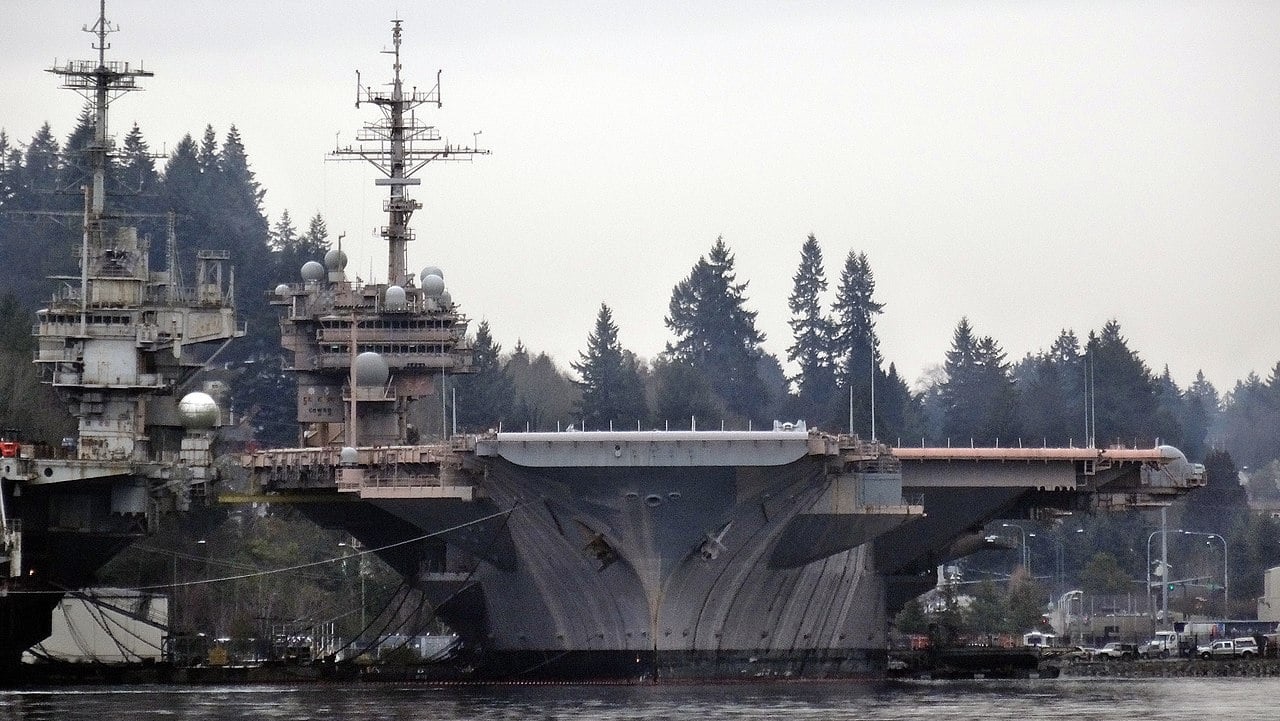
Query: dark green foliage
{"points": [[979, 401], [855, 347], [1221, 506], [988, 610], [1251, 415], [716, 334], [484, 398], [1026, 603], [911, 619], [1103, 576], [680, 394], [899, 412], [612, 389], [1051, 385], [26, 405], [1124, 391], [812, 331], [544, 396]]}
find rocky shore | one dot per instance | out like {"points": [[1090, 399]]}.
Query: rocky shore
{"points": [[1167, 668]]}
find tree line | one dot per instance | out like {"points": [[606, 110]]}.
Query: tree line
{"points": [[714, 370]]}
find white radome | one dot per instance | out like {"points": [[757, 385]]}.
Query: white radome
{"points": [[198, 410], [371, 370]]}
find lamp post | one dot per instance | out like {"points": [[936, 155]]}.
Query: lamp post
{"points": [[1163, 574], [1226, 585], [1022, 533]]}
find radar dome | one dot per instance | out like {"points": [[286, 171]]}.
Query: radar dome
{"points": [[430, 270], [312, 271], [198, 410], [432, 285], [282, 289], [446, 300], [335, 259], [348, 456], [371, 369], [395, 299]]}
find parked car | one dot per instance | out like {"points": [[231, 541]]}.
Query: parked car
{"points": [[1116, 649]]}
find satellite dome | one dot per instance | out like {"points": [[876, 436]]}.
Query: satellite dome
{"points": [[312, 271], [335, 259], [430, 270], [395, 299], [432, 285], [446, 300], [282, 289], [371, 369], [198, 410], [348, 456]]}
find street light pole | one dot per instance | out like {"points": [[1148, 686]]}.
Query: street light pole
{"points": [[1226, 585], [1022, 532]]}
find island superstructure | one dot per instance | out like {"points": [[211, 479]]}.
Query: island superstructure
{"points": [[121, 344], [364, 353], [636, 555]]}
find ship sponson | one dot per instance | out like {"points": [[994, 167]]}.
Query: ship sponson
{"points": [[708, 554]]}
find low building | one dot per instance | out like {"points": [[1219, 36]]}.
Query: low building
{"points": [[1269, 603]]}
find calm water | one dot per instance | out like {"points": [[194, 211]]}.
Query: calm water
{"points": [[1070, 700]]}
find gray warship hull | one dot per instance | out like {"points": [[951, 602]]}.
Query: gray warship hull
{"points": [[681, 555]]}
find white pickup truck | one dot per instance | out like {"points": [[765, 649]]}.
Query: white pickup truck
{"points": [[1229, 648]]}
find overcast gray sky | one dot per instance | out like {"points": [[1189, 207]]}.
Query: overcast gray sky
{"points": [[1032, 165]]}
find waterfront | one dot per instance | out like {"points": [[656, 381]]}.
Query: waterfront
{"points": [[1113, 699]]}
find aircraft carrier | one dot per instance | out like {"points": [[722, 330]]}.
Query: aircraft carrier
{"points": [[777, 553], [121, 344]]}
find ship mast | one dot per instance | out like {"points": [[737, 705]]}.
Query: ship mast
{"points": [[100, 83], [399, 146]]}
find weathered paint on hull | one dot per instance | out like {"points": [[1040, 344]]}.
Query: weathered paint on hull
{"points": [[660, 572]]}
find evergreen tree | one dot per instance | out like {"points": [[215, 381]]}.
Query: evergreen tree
{"points": [[484, 398], [1104, 576], [716, 334], [242, 229], [284, 237], [544, 397], [612, 392], [681, 393], [40, 167], [911, 619], [812, 331], [1249, 415], [899, 411], [76, 169], [137, 189], [316, 240], [1025, 603], [855, 346], [10, 162], [1051, 406], [988, 612], [978, 397], [1170, 409], [1123, 395], [137, 171], [1202, 411], [1222, 505], [207, 157]]}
